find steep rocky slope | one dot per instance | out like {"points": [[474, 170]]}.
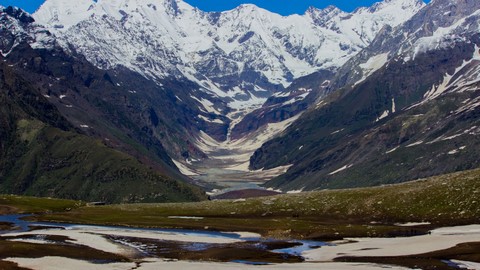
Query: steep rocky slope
{"points": [[404, 108], [44, 145]]}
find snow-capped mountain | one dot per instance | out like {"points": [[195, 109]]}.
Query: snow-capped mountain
{"points": [[441, 25], [17, 27], [243, 55], [238, 59], [75, 116]]}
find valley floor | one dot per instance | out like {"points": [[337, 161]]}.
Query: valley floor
{"points": [[426, 224]]}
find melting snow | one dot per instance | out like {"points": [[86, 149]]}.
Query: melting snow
{"points": [[216, 121], [296, 98], [341, 169], [466, 264], [453, 152], [295, 191], [184, 169], [373, 64], [337, 131], [384, 115], [414, 144], [207, 105], [236, 153], [392, 150]]}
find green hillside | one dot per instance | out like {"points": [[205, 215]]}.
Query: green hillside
{"points": [[445, 200], [41, 154]]}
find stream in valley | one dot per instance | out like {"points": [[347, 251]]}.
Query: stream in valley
{"points": [[179, 244]]}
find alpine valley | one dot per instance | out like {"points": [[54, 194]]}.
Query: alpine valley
{"points": [[110, 91], [149, 134]]}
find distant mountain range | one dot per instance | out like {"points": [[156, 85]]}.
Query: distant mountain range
{"points": [[381, 95], [237, 59]]}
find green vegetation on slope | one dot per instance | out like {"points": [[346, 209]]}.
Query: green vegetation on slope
{"points": [[444, 200], [57, 163], [41, 154], [10, 204], [346, 143]]}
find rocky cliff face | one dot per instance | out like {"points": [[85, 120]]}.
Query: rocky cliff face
{"points": [[405, 107]]}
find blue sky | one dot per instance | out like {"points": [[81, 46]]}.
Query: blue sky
{"points": [[284, 7]]}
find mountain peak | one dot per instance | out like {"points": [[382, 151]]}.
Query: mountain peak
{"points": [[18, 14], [324, 14], [327, 10], [395, 4], [247, 6]]}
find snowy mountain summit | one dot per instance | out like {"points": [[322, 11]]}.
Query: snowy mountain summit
{"points": [[242, 56]]}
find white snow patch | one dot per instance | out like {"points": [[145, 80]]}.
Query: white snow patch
{"points": [[84, 126], [296, 98], [373, 64], [341, 169], [207, 105], [392, 150], [216, 121], [62, 96], [439, 239], [385, 114], [295, 191], [437, 90], [184, 169], [415, 144], [337, 131], [276, 190], [252, 102], [466, 264], [32, 241], [453, 152]]}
